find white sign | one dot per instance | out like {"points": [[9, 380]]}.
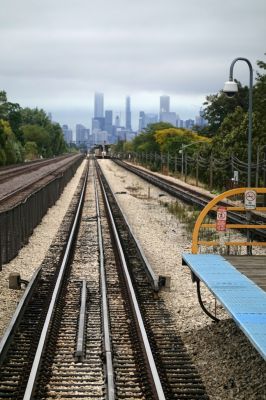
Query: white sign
{"points": [[250, 199], [236, 176]]}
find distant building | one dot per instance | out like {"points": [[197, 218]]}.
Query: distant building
{"points": [[141, 120], [146, 119], [199, 119], [128, 114], [117, 121], [164, 104], [189, 124], [50, 116], [98, 105], [82, 135], [108, 123], [68, 135], [169, 117], [98, 123], [150, 119], [180, 123]]}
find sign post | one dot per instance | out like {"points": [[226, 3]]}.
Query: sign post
{"points": [[250, 199], [221, 219]]}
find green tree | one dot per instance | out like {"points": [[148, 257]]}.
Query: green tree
{"points": [[11, 149], [172, 139], [145, 141], [58, 144], [39, 135], [31, 151], [219, 106]]}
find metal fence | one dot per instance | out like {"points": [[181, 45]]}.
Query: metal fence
{"points": [[18, 223]]}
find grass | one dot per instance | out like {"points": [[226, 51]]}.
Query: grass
{"points": [[186, 214]]}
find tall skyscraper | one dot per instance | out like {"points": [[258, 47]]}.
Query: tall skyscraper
{"points": [[108, 127], [128, 114], [67, 134], [98, 105], [164, 104]]}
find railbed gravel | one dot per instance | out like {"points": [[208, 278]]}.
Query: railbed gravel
{"points": [[229, 366]]}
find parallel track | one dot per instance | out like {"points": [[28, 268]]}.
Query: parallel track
{"points": [[191, 196], [23, 171]]}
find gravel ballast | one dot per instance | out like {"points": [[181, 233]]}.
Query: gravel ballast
{"points": [[229, 365]]}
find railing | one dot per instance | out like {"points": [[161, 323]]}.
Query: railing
{"points": [[18, 223], [210, 170], [214, 229]]}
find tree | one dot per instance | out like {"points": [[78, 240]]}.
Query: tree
{"points": [[219, 106], [58, 144], [34, 117], [31, 151], [145, 141], [172, 139], [11, 150], [39, 135]]}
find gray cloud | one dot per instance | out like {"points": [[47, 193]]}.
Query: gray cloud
{"points": [[55, 54]]}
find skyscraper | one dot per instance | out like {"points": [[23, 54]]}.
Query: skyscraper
{"points": [[67, 133], [128, 114], [108, 121], [98, 105], [164, 104]]}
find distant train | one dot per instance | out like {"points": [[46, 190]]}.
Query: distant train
{"points": [[102, 151]]}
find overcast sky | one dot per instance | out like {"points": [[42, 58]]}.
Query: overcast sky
{"points": [[56, 53]]}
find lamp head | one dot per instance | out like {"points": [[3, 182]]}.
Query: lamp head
{"points": [[230, 88]]}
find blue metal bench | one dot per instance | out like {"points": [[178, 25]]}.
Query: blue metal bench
{"points": [[241, 297]]}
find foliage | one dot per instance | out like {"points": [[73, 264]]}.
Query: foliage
{"points": [[171, 139], [21, 126], [218, 106], [39, 135], [31, 151], [145, 141], [11, 149]]}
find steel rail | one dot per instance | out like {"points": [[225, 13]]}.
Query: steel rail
{"points": [[15, 170], [18, 314], [21, 189], [153, 373], [187, 195], [29, 392], [80, 347], [153, 278], [105, 309]]}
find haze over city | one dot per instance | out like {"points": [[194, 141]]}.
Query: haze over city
{"points": [[56, 55]]}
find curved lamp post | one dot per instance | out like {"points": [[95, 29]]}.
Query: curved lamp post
{"points": [[183, 147], [230, 88]]}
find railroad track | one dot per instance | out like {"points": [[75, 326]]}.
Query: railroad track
{"points": [[192, 196], [10, 190], [101, 333], [7, 173]]}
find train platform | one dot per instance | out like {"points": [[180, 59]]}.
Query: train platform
{"points": [[228, 278]]}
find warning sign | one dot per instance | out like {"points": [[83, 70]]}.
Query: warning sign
{"points": [[221, 219], [250, 199]]}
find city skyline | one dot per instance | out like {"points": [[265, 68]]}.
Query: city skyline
{"points": [[99, 103], [56, 55], [108, 126]]}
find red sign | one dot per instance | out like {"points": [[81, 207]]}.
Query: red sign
{"points": [[221, 219]]}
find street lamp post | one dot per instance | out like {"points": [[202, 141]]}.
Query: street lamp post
{"points": [[230, 88], [183, 147]]}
